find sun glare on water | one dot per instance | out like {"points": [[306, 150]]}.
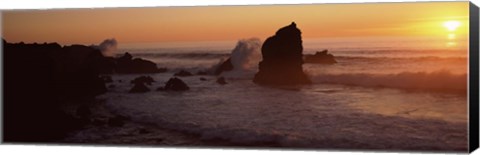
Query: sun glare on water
{"points": [[451, 25]]}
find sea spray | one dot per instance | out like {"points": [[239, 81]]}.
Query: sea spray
{"points": [[108, 47], [246, 55], [244, 58]]}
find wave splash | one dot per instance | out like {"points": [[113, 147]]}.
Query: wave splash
{"points": [[244, 58]]}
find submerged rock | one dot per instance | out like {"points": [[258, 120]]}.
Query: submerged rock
{"points": [[175, 84], [183, 73], [221, 81], [282, 59], [322, 57]]}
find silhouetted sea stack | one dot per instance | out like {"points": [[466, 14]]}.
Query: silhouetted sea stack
{"points": [[282, 59]]}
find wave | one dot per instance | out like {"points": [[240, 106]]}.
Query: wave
{"points": [[190, 55], [217, 55], [438, 81], [419, 58]]}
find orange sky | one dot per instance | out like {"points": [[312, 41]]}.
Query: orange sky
{"points": [[162, 24]]}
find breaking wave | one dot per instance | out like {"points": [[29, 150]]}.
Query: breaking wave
{"points": [[190, 55], [443, 81]]}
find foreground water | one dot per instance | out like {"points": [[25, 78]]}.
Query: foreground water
{"points": [[370, 99]]}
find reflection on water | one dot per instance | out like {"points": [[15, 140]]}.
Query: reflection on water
{"points": [[451, 44], [391, 102], [451, 36]]}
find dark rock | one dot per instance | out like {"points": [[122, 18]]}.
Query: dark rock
{"points": [[176, 84], [143, 80], [120, 81], [221, 81], [117, 121], [203, 79], [282, 59], [107, 79], [225, 66], [62, 75], [160, 89], [183, 73], [111, 86], [127, 65], [83, 111], [139, 88], [322, 57]]}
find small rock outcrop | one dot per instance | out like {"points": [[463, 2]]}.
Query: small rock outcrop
{"points": [[175, 84], [143, 80], [139, 84], [322, 57], [282, 59], [129, 65]]}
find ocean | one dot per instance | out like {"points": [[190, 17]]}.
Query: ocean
{"points": [[378, 96]]}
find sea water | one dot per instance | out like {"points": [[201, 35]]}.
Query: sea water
{"points": [[383, 97]]}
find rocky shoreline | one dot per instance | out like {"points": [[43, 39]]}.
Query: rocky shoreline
{"points": [[41, 78], [129, 132]]}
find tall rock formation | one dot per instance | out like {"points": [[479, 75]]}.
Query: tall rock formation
{"points": [[282, 59]]}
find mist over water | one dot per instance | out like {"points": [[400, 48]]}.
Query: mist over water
{"points": [[373, 98], [425, 69]]}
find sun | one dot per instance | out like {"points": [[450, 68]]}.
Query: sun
{"points": [[451, 25]]}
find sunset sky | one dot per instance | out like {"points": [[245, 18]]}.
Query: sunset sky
{"points": [[165, 24]]}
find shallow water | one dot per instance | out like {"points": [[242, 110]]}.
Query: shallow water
{"points": [[370, 99], [320, 115]]}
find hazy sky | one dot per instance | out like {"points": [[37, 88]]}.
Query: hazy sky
{"points": [[163, 24]]}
